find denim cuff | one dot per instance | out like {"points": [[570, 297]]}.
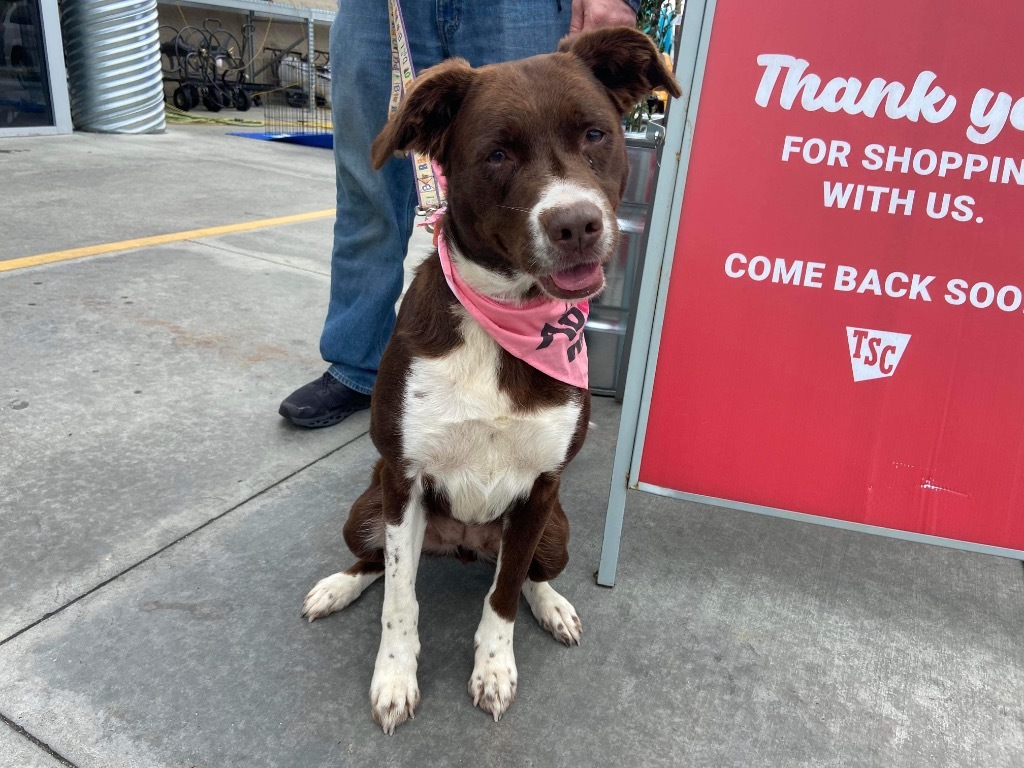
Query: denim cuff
{"points": [[337, 373]]}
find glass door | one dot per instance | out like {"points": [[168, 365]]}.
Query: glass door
{"points": [[30, 51]]}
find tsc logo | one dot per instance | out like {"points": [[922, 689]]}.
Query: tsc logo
{"points": [[875, 354]]}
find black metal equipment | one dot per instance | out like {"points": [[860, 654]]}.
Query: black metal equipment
{"points": [[208, 66]]}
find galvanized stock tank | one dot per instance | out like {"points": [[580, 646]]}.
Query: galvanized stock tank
{"points": [[112, 50]]}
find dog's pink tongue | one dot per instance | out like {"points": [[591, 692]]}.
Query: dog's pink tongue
{"points": [[577, 278]]}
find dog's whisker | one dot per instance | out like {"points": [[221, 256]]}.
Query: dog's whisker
{"points": [[513, 208]]}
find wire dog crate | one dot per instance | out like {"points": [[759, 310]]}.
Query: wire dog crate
{"points": [[208, 65], [300, 103]]}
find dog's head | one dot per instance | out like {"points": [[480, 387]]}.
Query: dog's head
{"points": [[534, 155]]}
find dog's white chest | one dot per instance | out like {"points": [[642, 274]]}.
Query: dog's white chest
{"points": [[462, 431]]}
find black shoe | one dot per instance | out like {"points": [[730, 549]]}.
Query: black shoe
{"points": [[322, 403]]}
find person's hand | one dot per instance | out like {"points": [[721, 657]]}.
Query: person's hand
{"points": [[588, 15]]}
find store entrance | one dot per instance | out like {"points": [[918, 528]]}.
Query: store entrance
{"points": [[25, 99]]}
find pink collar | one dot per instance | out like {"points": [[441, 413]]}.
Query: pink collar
{"points": [[544, 333]]}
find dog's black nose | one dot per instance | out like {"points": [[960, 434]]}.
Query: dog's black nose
{"points": [[575, 227]]}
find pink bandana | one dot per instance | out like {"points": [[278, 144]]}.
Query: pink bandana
{"points": [[546, 333]]}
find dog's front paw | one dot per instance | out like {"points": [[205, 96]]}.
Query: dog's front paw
{"points": [[493, 683], [394, 694]]}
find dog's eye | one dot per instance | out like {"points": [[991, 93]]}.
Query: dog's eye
{"points": [[594, 135], [497, 157]]}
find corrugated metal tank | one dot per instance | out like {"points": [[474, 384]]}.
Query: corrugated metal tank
{"points": [[113, 61]]}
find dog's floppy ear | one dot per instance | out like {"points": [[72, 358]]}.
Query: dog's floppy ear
{"points": [[426, 112], [625, 61]]}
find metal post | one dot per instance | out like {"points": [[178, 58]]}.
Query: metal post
{"points": [[250, 46], [653, 282], [311, 71]]}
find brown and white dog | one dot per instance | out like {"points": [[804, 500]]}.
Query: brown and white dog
{"points": [[472, 440]]}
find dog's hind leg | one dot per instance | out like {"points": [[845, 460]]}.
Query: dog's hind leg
{"points": [[364, 534], [339, 589]]}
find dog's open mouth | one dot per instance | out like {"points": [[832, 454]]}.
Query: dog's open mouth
{"points": [[579, 282]]}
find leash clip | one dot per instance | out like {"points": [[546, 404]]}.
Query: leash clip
{"points": [[432, 219]]}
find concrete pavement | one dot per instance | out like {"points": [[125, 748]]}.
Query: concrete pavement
{"points": [[160, 524]]}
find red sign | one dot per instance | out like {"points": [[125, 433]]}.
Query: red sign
{"points": [[844, 330]]}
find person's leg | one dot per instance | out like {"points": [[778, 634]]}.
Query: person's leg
{"points": [[492, 31], [375, 209]]}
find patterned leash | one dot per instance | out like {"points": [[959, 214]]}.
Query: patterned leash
{"points": [[429, 180]]}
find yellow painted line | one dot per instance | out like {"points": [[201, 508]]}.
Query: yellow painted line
{"points": [[144, 242]]}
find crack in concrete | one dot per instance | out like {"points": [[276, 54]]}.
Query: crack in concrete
{"points": [[178, 540], [37, 741], [248, 255]]}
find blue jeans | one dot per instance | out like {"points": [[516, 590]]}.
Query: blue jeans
{"points": [[375, 210]]}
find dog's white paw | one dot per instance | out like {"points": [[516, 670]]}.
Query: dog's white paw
{"points": [[553, 612], [332, 594], [394, 693], [493, 682]]}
